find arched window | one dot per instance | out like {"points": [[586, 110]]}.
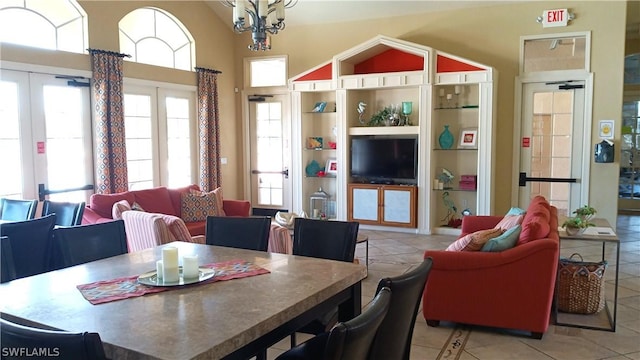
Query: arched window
{"points": [[153, 36], [55, 25]]}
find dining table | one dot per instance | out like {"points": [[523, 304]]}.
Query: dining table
{"points": [[226, 319]]}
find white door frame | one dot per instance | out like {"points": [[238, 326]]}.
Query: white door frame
{"points": [[246, 136], [552, 76]]}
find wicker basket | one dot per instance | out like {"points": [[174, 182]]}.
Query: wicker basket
{"points": [[580, 285]]}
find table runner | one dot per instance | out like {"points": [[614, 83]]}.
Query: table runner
{"points": [[100, 292]]}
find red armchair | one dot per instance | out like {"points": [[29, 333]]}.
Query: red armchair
{"points": [[511, 289]]}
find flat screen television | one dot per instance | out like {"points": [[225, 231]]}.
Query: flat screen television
{"points": [[384, 159]]}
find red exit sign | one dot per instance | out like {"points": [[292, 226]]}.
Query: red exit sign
{"points": [[555, 18]]}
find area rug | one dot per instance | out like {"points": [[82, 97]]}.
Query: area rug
{"points": [[454, 346]]}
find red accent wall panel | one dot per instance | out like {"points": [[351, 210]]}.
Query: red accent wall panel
{"points": [[445, 64], [322, 73], [391, 60]]}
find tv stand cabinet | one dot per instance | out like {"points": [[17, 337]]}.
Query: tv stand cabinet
{"points": [[377, 204]]}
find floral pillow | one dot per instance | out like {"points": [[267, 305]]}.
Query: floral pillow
{"points": [[474, 241], [197, 205]]}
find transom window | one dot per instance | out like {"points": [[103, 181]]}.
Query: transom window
{"points": [[155, 37], [267, 71], [54, 25]]}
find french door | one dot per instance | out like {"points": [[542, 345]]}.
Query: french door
{"points": [[270, 154], [45, 137], [552, 138]]}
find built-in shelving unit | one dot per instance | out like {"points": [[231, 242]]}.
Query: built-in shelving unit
{"points": [[387, 72]]}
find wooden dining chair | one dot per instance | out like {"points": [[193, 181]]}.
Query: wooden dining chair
{"points": [[393, 338], [17, 210], [333, 240], [251, 233], [30, 244], [7, 267], [349, 340], [81, 244], [67, 213], [58, 344]]}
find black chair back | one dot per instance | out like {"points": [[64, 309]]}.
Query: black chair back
{"points": [[67, 213], [30, 244], [81, 244], [351, 340], [251, 233], [7, 267], [393, 339], [59, 344], [17, 210], [333, 240]]}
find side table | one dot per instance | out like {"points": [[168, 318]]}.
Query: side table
{"points": [[606, 319]]}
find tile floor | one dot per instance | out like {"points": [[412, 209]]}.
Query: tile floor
{"points": [[392, 253]]}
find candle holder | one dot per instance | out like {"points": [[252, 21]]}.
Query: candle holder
{"points": [[457, 90], [407, 107]]}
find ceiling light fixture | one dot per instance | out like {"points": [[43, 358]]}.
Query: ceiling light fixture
{"points": [[260, 17]]}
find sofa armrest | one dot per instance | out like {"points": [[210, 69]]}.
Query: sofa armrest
{"points": [[89, 216], [237, 207], [473, 223]]}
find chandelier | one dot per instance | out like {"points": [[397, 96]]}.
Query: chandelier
{"points": [[260, 17]]}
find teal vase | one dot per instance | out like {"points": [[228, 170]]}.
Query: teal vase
{"points": [[446, 138]]}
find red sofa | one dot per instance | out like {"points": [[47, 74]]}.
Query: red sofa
{"points": [[511, 289], [156, 200]]}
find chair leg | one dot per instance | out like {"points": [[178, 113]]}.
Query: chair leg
{"points": [[262, 355], [433, 323], [293, 340]]}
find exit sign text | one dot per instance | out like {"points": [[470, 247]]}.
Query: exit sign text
{"points": [[555, 18]]}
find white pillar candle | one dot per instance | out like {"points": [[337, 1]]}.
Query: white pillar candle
{"points": [[456, 89], [263, 8], [441, 92], [190, 266], [170, 264], [449, 96], [159, 269]]}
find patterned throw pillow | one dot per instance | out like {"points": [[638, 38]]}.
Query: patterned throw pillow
{"points": [[197, 205], [474, 241], [509, 221], [118, 208], [219, 201]]}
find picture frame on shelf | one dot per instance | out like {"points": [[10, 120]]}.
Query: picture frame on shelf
{"points": [[319, 106], [314, 142], [468, 138], [332, 167]]}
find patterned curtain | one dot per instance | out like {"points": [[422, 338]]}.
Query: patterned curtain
{"points": [[108, 114], [209, 129]]}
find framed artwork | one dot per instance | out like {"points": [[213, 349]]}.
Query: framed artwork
{"points": [[606, 129], [332, 167], [314, 142], [468, 139]]}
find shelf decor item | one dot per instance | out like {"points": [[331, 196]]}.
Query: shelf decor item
{"points": [[319, 106], [332, 167], [446, 138], [312, 168], [362, 106], [318, 202], [468, 139], [407, 107], [314, 142]]}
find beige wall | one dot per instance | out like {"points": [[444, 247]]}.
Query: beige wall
{"points": [[489, 35]]}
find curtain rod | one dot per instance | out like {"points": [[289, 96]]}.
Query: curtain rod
{"points": [[98, 51], [208, 70]]}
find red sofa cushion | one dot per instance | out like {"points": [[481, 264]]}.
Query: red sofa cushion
{"points": [[535, 224], [103, 203], [155, 200]]}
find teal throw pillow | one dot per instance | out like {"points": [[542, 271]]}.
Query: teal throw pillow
{"points": [[506, 241], [516, 211]]}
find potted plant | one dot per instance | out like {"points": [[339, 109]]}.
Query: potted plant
{"points": [[577, 224]]}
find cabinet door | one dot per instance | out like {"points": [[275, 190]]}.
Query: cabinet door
{"points": [[399, 206], [365, 204]]}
